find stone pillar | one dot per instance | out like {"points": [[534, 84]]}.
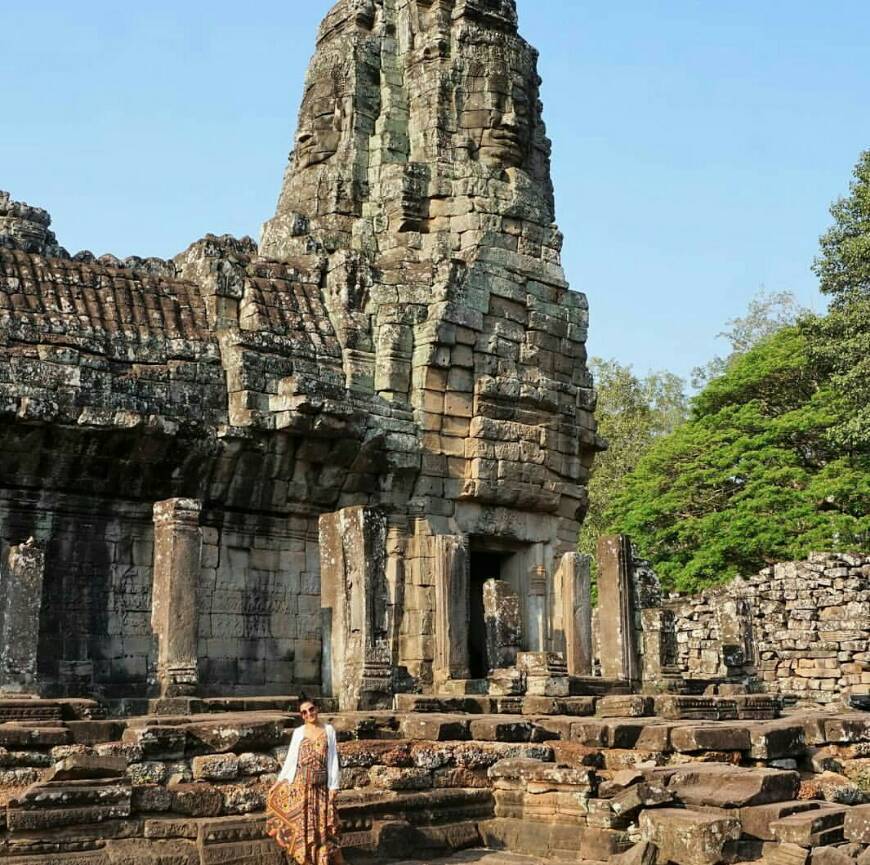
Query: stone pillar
{"points": [[617, 635], [574, 587], [21, 577], [660, 650], [354, 590], [450, 566], [536, 603], [501, 610], [174, 605]]}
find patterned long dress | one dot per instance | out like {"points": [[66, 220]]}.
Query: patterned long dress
{"points": [[302, 819]]}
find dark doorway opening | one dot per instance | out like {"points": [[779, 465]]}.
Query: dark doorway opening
{"points": [[484, 566]]}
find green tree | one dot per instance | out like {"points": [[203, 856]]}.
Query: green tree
{"points": [[752, 477], [768, 312], [632, 413], [840, 342]]}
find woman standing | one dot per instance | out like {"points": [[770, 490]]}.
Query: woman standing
{"points": [[303, 818]]}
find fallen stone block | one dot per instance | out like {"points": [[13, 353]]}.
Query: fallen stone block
{"points": [[634, 799], [81, 766], [844, 729], [723, 786], [778, 739], [619, 782], [710, 738], [856, 826], [808, 829], [691, 837], [756, 819]]}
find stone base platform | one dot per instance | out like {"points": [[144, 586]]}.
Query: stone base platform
{"points": [[190, 789]]}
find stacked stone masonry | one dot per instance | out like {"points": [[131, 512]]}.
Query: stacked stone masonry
{"points": [[402, 341], [800, 629], [76, 787]]}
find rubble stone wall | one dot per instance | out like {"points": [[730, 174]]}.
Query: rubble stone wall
{"points": [[798, 628]]}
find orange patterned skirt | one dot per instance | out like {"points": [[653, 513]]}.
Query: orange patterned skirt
{"points": [[301, 817]]}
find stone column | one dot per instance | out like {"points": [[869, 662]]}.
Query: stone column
{"points": [[536, 602], [450, 564], [174, 607], [617, 635], [21, 578], [574, 585], [354, 591]]}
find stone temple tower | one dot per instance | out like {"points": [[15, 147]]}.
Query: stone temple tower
{"points": [[354, 458], [420, 181]]}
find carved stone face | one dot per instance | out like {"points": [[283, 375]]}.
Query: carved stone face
{"points": [[504, 142], [497, 116], [322, 119]]}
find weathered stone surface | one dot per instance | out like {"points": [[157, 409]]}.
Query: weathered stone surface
{"points": [[691, 837], [722, 786], [501, 609], [811, 828], [756, 819], [79, 766], [856, 826], [710, 738]]}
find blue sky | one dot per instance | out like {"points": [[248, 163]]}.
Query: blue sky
{"points": [[697, 143]]}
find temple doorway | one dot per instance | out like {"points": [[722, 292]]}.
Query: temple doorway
{"points": [[484, 566]]}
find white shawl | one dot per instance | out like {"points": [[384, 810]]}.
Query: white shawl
{"points": [[288, 773]]}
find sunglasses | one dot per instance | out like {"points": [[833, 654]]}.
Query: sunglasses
{"points": [[311, 711]]}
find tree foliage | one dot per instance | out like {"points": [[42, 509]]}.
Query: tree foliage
{"points": [[632, 413], [840, 342], [768, 312], [753, 477]]}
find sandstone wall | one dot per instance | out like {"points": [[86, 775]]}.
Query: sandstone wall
{"points": [[798, 628]]}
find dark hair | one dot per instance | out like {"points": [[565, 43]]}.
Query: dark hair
{"points": [[307, 701]]}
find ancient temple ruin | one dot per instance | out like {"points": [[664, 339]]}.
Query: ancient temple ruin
{"points": [[351, 462], [259, 470]]}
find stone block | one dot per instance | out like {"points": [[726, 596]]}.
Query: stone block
{"points": [[624, 706], [722, 786], [691, 837], [777, 739], [756, 819], [857, 824], [215, 767], [600, 844], [830, 856], [811, 828], [83, 766], [196, 800], [631, 801], [713, 737]]}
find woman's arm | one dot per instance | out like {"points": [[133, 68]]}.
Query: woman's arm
{"points": [[288, 771], [333, 769]]}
